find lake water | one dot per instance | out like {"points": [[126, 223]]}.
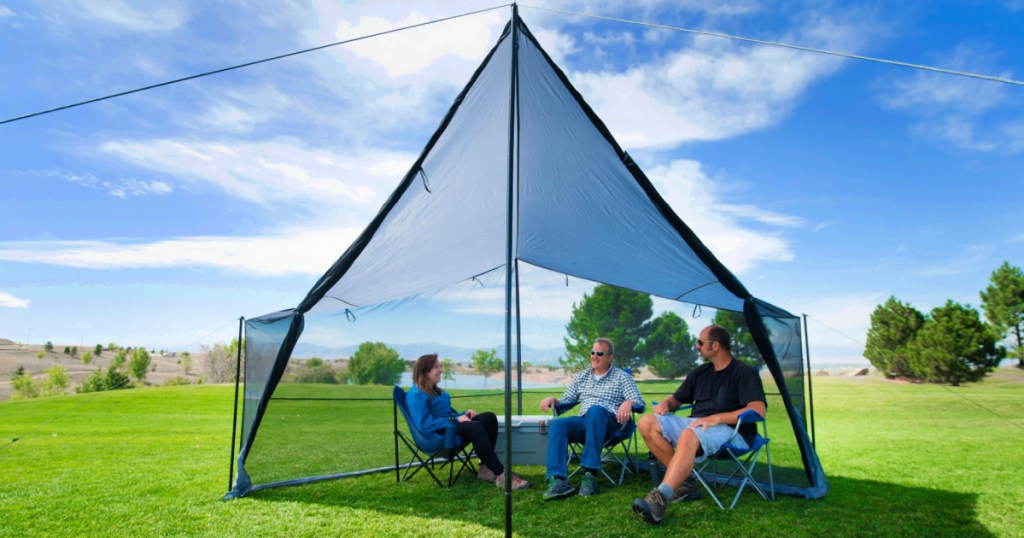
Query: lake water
{"points": [[476, 382]]}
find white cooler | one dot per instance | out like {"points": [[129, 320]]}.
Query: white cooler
{"points": [[529, 439]]}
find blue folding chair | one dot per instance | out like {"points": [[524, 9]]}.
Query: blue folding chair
{"points": [[428, 449], [624, 435], [744, 460]]}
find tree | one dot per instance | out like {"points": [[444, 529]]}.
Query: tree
{"points": [[1003, 301], [375, 363], [615, 313], [98, 350], [487, 363], [741, 341], [219, 362], [67, 350], [954, 346], [448, 370], [139, 364], [669, 349], [23, 386], [86, 357], [48, 346], [56, 381], [185, 361], [119, 358], [893, 327]]}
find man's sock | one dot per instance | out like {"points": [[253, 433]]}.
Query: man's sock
{"points": [[665, 490]]}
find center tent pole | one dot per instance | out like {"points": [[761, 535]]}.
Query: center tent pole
{"points": [[509, 255]]}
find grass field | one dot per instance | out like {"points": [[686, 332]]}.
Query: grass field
{"points": [[902, 460]]}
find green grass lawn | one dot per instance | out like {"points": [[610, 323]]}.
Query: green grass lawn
{"points": [[902, 460]]}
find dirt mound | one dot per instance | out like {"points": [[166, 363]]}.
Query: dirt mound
{"points": [[5, 342]]}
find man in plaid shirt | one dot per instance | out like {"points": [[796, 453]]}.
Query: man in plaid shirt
{"points": [[606, 396]]}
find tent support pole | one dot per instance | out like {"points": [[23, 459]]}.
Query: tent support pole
{"points": [[234, 419], [513, 91], [810, 389], [519, 349]]}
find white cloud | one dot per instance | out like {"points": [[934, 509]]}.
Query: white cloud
{"points": [[412, 51], [161, 17], [308, 251], [711, 91], [274, 171], [6, 12], [684, 185], [9, 301], [955, 109], [120, 188]]}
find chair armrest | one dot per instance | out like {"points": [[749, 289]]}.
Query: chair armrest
{"points": [[680, 408], [561, 408], [639, 408], [749, 416]]}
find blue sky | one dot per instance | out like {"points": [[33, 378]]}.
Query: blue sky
{"points": [[826, 184]]}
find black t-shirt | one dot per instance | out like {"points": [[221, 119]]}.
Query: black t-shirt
{"points": [[713, 392]]}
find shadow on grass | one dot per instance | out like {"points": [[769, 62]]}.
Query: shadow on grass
{"points": [[852, 508]]}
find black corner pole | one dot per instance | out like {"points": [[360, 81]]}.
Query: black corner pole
{"points": [[234, 418], [810, 389], [519, 349], [509, 256]]}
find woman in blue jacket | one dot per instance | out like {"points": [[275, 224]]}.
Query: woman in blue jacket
{"points": [[430, 407]]}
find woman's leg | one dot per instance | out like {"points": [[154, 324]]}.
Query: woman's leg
{"points": [[490, 422], [474, 432]]}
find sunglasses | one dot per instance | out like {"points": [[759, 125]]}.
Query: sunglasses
{"points": [[598, 353], [700, 343]]}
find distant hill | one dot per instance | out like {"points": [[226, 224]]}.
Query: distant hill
{"points": [[412, 351]]}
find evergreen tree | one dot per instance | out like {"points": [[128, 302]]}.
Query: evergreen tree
{"points": [[669, 349], [1003, 301], [954, 346], [740, 340], [893, 327], [616, 313]]}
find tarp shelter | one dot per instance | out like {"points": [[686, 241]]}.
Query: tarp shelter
{"points": [[522, 179]]}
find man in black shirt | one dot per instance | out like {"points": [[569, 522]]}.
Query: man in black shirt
{"points": [[720, 390]]}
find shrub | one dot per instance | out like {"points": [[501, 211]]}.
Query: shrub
{"points": [[177, 380], [86, 357], [23, 386]]}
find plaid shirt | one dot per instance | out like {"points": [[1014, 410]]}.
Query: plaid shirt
{"points": [[608, 392]]}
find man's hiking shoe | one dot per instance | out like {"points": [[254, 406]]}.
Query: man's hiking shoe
{"points": [[689, 490], [558, 488], [588, 486], [651, 507]]}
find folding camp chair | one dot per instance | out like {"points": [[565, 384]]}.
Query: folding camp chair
{"points": [[624, 435], [428, 449], [744, 460]]}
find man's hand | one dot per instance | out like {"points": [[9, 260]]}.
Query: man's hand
{"points": [[547, 404], [666, 406], [705, 422], [622, 416]]}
